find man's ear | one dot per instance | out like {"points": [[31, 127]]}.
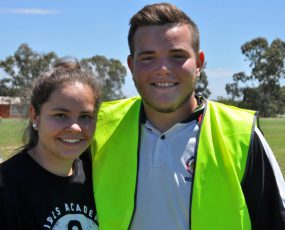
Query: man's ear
{"points": [[130, 63], [200, 63]]}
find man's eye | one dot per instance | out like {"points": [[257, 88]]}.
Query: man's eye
{"points": [[146, 58], [179, 56]]}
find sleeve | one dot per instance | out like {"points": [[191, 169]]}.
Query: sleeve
{"points": [[263, 187]]}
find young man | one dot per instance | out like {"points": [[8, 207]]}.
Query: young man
{"points": [[172, 159]]}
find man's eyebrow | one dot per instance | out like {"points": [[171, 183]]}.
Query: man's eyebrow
{"points": [[146, 52], [178, 51]]}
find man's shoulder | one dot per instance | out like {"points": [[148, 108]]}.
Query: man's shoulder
{"points": [[121, 101], [119, 108], [230, 107]]}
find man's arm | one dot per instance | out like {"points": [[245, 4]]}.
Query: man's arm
{"points": [[263, 187]]}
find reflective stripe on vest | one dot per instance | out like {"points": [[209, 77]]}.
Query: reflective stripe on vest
{"points": [[223, 144]]}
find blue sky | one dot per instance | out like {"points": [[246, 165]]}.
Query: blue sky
{"points": [[87, 28]]}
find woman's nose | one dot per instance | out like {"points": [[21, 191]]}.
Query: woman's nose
{"points": [[75, 127]]}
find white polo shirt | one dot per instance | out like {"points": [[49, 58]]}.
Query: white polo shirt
{"points": [[165, 174], [165, 177]]}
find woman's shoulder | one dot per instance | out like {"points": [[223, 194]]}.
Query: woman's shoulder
{"points": [[12, 168], [14, 160]]}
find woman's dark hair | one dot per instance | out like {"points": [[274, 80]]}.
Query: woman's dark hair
{"points": [[66, 70]]}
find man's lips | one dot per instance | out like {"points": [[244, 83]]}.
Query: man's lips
{"points": [[164, 84]]}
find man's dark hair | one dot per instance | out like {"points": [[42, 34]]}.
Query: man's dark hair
{"points": [[162, 14]]}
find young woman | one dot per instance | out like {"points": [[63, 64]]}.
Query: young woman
{"points": [[46, 185]]}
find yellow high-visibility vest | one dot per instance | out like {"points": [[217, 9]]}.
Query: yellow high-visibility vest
{"points": [[223, 144]]}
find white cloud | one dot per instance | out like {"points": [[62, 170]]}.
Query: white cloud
{"points": [[28, 11]]}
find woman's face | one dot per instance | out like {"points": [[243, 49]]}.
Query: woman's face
{"points": [[66, 123]]}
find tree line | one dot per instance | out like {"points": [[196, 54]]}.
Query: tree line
{"points": [[260, 90], [25, 65]]}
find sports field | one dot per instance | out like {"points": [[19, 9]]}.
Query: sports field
{"points": [[274, 132], [10, 135], [273, 128]]}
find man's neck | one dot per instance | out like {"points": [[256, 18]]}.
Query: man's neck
{"points": [[164, 121]]}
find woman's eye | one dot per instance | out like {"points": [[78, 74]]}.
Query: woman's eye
{"points": [[87, 116], [60, 115]]}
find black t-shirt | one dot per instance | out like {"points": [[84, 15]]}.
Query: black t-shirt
{"points": [[33, 198]]}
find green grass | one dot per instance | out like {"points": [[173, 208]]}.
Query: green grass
{"points": [[274, 132], [10, 135], [273, 128]]}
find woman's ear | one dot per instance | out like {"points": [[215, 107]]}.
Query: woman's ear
{"points": [[33, 116]]}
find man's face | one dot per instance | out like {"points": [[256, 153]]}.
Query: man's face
{"points": [[164, 66]]}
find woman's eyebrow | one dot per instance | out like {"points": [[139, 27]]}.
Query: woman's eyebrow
{"points": [[60, 109]]}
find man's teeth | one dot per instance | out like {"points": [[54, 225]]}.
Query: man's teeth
{"points": [[70, 140], [164, 84]]}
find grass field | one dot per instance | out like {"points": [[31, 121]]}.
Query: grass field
{"points": [[10, 135], [274, 132], [273, 128]]}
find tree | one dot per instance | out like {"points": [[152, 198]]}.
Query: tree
{"points": [[202, 84], [235, 89], [227, 101], [26, 65], [110, 73], [282, 100], [22, 68], [260, 90], [5, 90]]}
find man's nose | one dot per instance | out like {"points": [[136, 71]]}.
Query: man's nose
{"points": [[164, 66]]}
